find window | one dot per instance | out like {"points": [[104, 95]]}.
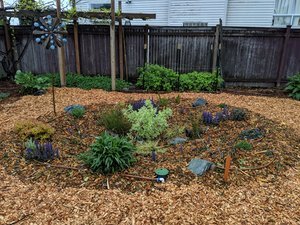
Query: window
{"points": [[287, 12], [100, 6]]}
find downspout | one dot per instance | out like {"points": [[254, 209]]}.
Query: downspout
{"points": [[225, 13]]}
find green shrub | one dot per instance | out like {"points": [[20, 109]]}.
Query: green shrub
{"points": [[175, 131], [4, 95], [145, 148], [293, 86], [199, 81], [30, 83], [147, 123], [109, 154], [157, 78], [177, 99], [244, 145], [238, 114], [77, 112], [34, 129], [162, 102], [89, 82], [116, 122]]}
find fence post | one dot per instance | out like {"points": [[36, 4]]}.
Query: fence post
{"points": [[76, 41], [121, 59], [178, 61], [283, 55], [113, 46], [146, 47], [61, 53], [216, 48]]}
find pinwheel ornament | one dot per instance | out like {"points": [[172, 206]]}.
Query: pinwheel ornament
{"points": [[50, 32]]}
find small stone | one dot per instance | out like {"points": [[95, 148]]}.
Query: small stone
{"points": [[177, 140], [199, 102], [200, 166]]}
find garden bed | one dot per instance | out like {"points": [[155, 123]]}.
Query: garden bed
{"points": [[271, 154]]}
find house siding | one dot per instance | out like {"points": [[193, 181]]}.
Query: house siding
{"points": [[250, 13], [196, 11]]}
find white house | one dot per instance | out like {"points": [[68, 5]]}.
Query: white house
{"points": [[254, 13]]}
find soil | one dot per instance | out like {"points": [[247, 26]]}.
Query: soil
{"points": [[263, 187]]}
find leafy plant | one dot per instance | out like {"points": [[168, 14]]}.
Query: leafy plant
{"points": [[141, 103], [116, 122], [174, 131], [147, 123], [157, 78], [4, 95], [244, 145], [293, 86], [238, 115], [89, 82], [222, 105], [178, 99], [145, 148], [162, 102], [251, 134], [77, 112], [109, 154], [195, 132], [34, 129], [199, 81], [41, 152], [31, 83]]}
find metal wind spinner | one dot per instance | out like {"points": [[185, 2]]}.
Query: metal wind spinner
{"points": [[50, 32]]}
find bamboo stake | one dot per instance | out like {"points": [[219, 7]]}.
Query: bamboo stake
{"points": [[121, 59], [76, 41]]}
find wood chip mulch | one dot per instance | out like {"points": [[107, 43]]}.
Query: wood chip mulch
{"points": [[271, 199]]}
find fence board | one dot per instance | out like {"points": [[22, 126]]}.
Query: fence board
{"points": [[248, 54]]}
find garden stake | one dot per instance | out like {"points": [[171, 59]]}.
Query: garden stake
{"points": [[227, 167], [153, 155], [53, 95]]}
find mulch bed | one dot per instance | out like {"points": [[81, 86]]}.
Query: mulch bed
{"points": [[271, 155]]}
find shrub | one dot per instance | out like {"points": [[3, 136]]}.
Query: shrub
{"points": [[31, 83], [77, 112], [222, 105], [244, 145], [174, 131], [109, 154], [141, 103], [251, 134], [4, 95], [147, 123], [34, 129], [199, 81], [162, 102], [238, 114], [195, 132], [41, 152], [293, 86], [116, 122], [145, 148], [90, 82], [157, 78], [178, 99]]}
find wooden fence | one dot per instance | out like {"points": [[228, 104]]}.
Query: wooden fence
{"points": [[255, 55]]}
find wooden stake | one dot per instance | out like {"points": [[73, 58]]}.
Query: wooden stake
{"points": [[113, 46], [61, 53], [227, 167], [121, 61], [76, 41]]}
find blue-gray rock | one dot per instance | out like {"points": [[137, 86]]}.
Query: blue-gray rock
{"points": [[200, 166], [177, 140], [69, 108], [199, 102]]}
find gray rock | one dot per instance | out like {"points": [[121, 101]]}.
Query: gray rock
{"points": [[199, 102], [200, 166], [177, 140]]}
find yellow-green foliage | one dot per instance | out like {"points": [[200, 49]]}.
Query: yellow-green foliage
{"points": [[34, 129]]}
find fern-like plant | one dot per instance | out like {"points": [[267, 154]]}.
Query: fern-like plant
{"points": [[293, 86], [109, 154]]}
